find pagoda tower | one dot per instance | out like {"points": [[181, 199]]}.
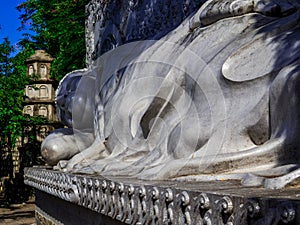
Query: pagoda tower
{"points": [[40, 92]]}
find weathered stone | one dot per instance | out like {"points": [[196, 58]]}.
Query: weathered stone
{"points": [[78, 199], [213, 93]]}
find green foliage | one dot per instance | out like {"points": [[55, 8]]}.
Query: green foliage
{"points": [[12, 82], [57, 27], [12, 122], [9, 95], [5, 50]]}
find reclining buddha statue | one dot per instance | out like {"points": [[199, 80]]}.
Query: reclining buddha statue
{"points": [[184, 90]]}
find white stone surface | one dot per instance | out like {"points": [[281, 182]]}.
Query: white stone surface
{"points": [[216, 95]]}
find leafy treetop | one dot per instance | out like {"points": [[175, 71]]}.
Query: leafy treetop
{"points": [[57, 26]]}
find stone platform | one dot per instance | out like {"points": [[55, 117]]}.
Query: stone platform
{"points": [[64, 198]]}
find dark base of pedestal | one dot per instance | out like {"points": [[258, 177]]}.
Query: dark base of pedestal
{"points": [[70, 199], [51, 210]]}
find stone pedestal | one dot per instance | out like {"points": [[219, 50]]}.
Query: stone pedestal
{"points": [[53, 210], [63, 198]]}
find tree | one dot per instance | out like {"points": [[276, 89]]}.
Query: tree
{"points": [[12, 81], [57, 27], [5, 50]]}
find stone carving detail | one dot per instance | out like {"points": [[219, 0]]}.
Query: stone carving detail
{"points": [[43, 71], [28, 110], [199, 99], [31, 70], [43, 91], [225, 207], [147, 204]]}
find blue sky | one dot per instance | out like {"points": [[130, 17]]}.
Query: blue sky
{"points": [[9, 20]]}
